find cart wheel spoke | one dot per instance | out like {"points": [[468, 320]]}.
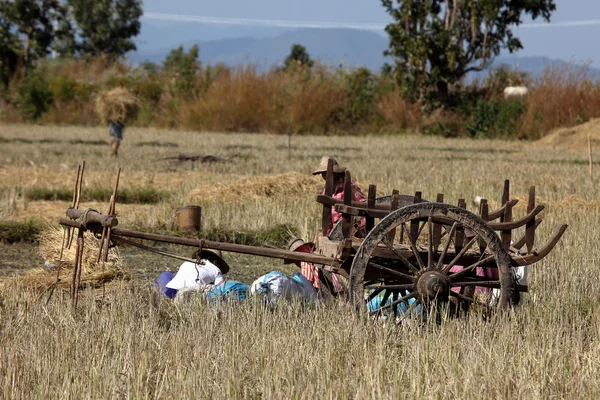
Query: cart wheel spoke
{"points": [[446, 245], [420, 229], [394, 299], [415, 250], [409, 311], [429, 243], [492, 284], [406, 286], [469, 300], [392, 271], [466, 270], [384, 300], [393, 303], [460, 254], [374, 294], [401, 257]]}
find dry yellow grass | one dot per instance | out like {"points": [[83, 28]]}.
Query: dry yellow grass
{"points": [[577, 202], [51, 211], [137, 347], [289, 184]]}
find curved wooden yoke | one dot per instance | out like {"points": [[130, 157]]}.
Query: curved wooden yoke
{"points": [[521, 249]]}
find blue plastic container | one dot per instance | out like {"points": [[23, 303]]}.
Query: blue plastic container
{"points": [[161, 284]]}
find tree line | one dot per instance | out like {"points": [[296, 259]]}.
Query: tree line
{"points": [[33, 29], [434, 44]]}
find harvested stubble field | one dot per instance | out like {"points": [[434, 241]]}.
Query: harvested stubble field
{"points": [[131, 345]]}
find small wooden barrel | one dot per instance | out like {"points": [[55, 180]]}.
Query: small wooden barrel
{"points": [[189, 218]]}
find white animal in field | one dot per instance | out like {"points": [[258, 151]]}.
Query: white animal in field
{"points": [[512, 91]]}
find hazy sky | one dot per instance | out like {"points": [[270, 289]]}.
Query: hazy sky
{"points": [[328, 10], [566, 42]]}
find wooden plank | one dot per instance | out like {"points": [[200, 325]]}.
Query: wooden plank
{"points": [[413, 230], [506, 192], [531, 225], [521, 242], [507, 217], [75, 224], [497, 226], [538, 255], [326, 218], [437, 228], [404, 201], [459, 235], [483, 213], [329, 248], [394, 206], [370, 221], [330, 201], [347, 218], [92, 217], [500, 211], [230, 247]]}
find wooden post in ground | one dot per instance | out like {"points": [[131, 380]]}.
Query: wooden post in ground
{"points": [[590, 158], [290, 146]]}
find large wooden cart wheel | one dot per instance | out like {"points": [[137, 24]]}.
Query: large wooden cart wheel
{"points": [[428, 254]]}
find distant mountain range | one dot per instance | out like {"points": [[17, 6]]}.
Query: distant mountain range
{"points": [[329, 46], [268, 46]]}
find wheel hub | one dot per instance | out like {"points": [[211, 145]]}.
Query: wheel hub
{"points": [[433, 285]]}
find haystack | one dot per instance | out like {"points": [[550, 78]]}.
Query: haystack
{"points": [[117, 105], [573, 138], [291, 183], [92, 274], [576, 202]]}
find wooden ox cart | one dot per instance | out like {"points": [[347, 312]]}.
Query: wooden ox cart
{"points": [[408, 252]]}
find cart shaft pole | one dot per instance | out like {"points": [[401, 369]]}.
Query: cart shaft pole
{"points": [[230, 247]]}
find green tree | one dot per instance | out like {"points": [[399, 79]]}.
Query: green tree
{"points": [[64, 43], [105, 27], [298, 57], [10, 45], [35, 96], [182, 67], [28, 30], [33, 20], [436, 42]]}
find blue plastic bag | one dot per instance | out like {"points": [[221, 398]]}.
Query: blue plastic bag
{"points": [[161, 284], [400, 308], [229, 290]]}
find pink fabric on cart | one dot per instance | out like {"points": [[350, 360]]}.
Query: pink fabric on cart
{"points": [[482, 272]]}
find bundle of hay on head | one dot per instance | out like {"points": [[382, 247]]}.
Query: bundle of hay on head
{"points": [[117, 105], [93, 274]]}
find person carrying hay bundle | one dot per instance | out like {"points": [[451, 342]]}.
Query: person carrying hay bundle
{"points": [[116, 107], [115, 131]]}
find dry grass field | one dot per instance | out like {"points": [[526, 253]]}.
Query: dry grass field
{"points": [[131, 344]]}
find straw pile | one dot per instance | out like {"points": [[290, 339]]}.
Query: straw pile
{"points": [[291, 183], [576, 202], [92, 274], [573, 138], [117, 105]]}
